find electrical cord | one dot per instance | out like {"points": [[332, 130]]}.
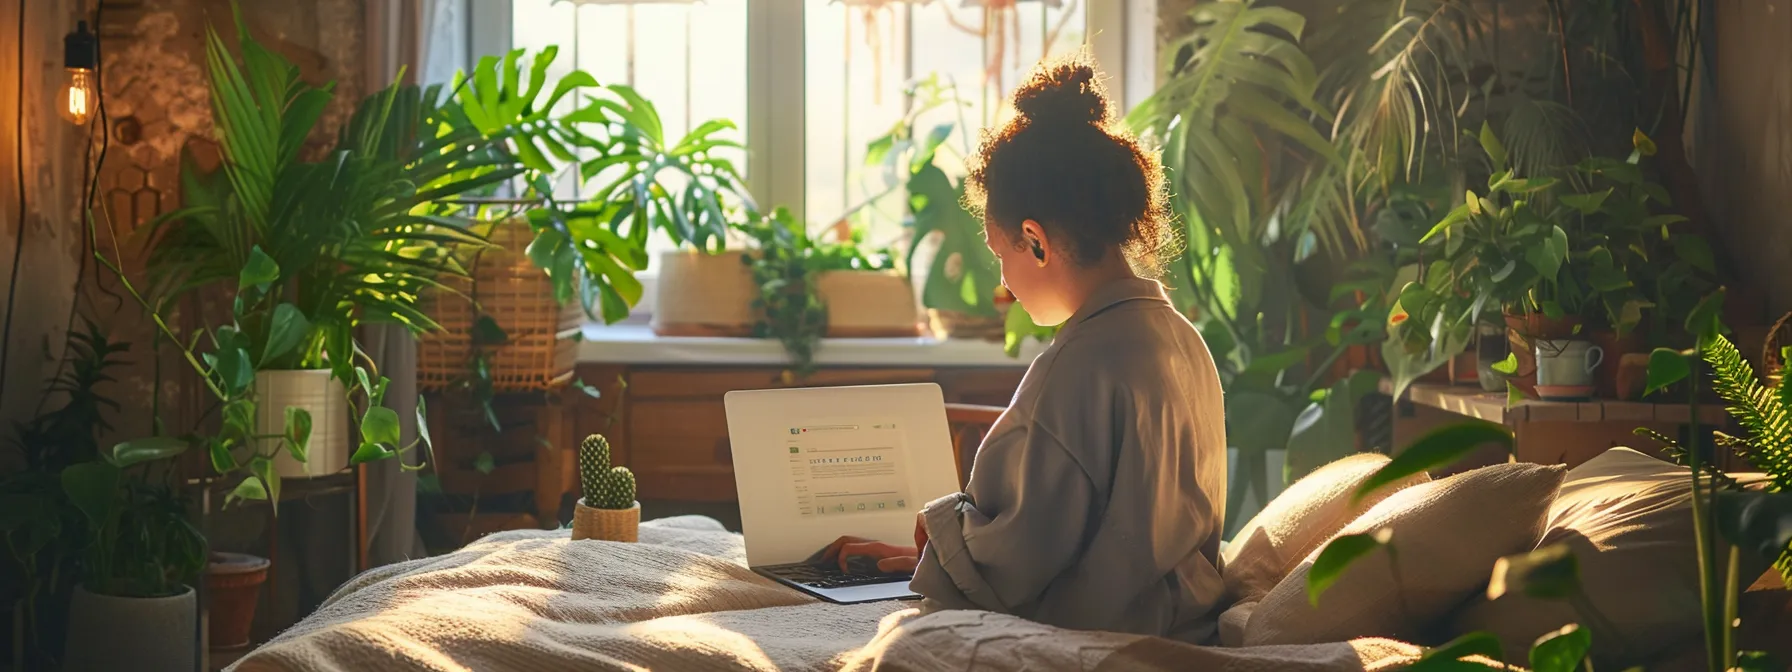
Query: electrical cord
{"points": [[12, 289], [90, 168]]}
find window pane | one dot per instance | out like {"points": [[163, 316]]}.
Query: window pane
{"points": [[689, 60], [860, 54]]}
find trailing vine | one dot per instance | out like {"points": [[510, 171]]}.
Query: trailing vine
{"points": [[789, 304]]}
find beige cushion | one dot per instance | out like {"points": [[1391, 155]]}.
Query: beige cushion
{"points": [[1447, 534], [1309, 512], [1628, 517]]}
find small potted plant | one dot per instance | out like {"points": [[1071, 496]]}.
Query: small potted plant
{"points": [[608, 510]]}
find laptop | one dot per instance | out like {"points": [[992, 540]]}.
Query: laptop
{"points": [[814, 464]]}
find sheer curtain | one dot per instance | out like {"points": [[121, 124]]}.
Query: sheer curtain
{"points": [[428, 40]]}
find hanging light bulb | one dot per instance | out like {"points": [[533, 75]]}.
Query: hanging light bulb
{"points": [[80, 96]]}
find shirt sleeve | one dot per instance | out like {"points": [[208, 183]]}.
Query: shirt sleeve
{"points": [[1019, 525]]}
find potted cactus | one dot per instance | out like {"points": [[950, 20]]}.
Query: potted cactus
{"points": [[608, 510]]}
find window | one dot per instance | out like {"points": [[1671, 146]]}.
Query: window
{"points": [[861, 55], [818, 80]]}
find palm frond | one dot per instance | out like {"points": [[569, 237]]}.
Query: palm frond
{"points": [[1398, 93], [1758, 409]]}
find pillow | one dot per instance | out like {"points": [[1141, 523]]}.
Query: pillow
{"points": [[1628, 518], [1447, 533], [1309, 512]]}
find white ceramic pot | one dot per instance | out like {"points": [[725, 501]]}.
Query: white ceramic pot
{"points": [[107, 633], [868, 304], [325, 397], [702, 294]]}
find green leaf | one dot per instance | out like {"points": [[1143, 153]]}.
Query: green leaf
{"points": [[1642, 143], [259, 272], [93, 488], [285, 332], [1548, 573], [138, 451], [235, 369], [1666, 367], [486, 332], [370, 452], [1437, 449], [1490, 143], [298, 432], [484, 463], [250, 488], [1258, 421], [1758, 522], [263, 469], [1706, 319], [1548, 257], [380, 425], [1695, 251], [1277, 362], [1338, 556], [423, 431], [1563, 650], [1757, 661], [222, 461], [1508, 366], [1477, 643], [1587, 204], [1514, 395]]}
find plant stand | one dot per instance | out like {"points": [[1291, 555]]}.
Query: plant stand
{"points": [[350, 482]]}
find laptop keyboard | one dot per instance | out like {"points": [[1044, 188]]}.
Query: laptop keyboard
{"points": [[829, 576]]}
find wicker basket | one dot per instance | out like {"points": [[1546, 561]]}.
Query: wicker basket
{"points": [[606, 524], [519, 296]]}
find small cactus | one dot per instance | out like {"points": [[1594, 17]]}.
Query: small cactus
{"points": [[605, 487]]}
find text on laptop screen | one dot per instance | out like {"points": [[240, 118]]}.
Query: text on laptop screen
{"points": [[844, 468]]}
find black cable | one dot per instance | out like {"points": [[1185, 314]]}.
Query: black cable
{"points": [[12, 290], [90, 169]]}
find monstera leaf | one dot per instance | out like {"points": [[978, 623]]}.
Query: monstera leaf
{"points": [[963, 277]]}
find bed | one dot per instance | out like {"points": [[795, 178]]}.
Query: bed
{"points": [[683, 599]]}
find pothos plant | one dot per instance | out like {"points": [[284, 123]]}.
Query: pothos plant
{"points": [[1592, 245], [786, 264], [307, 251]]}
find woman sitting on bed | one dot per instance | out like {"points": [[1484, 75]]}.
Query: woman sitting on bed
{"points": [[1096, 500]]}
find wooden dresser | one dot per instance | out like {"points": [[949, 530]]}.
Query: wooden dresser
{"points": [[668, 424]]}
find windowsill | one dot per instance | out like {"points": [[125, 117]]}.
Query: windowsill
{"points": [[637, 344]]}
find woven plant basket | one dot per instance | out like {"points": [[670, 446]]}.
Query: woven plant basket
{"points": [[606, 524], [539, 353]]}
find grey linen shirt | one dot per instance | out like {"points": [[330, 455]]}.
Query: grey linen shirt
{"points": [[1096, 500]]}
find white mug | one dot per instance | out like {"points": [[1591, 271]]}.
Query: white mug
{"points": [[1567, 363]]}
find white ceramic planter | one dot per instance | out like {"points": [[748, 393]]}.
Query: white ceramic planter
{"points": [[107, 633], [325, 397]]}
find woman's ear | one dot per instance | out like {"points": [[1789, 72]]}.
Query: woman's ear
{"points": [[1033, 238]]}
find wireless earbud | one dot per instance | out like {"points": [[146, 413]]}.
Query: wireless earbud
{"points": [[1038, 252]]}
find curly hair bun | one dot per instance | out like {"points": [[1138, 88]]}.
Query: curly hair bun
{"points": [[1064, 92]]}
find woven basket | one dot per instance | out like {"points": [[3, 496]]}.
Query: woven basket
{"points": [[519, 296], [606, 524]]}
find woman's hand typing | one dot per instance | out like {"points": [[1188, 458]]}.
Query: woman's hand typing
{"points": [[891, 558]]}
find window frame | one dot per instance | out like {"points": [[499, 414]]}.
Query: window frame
{"points": [[776, 104]]}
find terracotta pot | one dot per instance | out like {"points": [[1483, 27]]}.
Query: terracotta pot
{"points": [[952, 324], [606, 524], [233, 586], [1605, 378], [868, 304]]}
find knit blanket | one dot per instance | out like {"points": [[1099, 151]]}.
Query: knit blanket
{"points": [[683, 599]]}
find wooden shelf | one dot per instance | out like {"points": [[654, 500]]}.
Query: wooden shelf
{"points": [[1491, 406]]}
